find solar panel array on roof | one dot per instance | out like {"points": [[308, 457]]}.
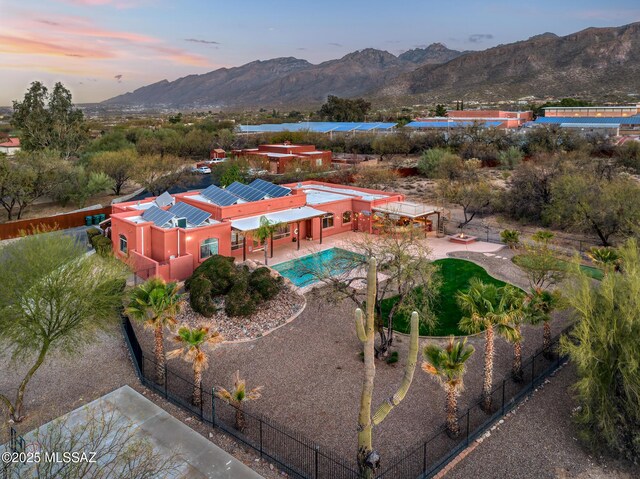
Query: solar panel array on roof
{"points": [[194, 216], [452, 124], [218, 196], [165, 199], [245, 192], [275, 191], [318, 127], [557, 120], [158, 216]]}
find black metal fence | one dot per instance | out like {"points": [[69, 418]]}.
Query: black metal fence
{"points": [[301, 457]]}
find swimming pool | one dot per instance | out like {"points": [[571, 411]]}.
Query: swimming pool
{"points": [[301, 270]]}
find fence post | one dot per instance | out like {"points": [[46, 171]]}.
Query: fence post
{"points": [[260, 419], [315, 462], [424, 455], [213, 407], [166, 393], [468, 409]]}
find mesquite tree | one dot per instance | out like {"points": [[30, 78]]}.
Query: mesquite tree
{"points": [[368, 459], [54, 298]]}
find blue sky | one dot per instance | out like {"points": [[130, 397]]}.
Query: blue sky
{"points": [[100, 48]]}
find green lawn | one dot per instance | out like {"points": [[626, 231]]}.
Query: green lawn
{"points": [[563, 265], [456, 274]]}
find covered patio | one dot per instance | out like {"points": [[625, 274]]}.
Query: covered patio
{"points": [[407, 214], [300, 218]]}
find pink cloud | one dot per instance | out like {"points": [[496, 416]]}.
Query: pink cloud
{"points": [[98, 3], [27, 46]]}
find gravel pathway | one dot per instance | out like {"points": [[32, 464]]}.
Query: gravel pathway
{"points": [[545, 442]]}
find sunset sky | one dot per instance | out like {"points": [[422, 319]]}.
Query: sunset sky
{"points": [[101, 48]]}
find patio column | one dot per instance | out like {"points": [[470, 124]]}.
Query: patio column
{"points": [[244, 247], [321, 230], [298, 230]]}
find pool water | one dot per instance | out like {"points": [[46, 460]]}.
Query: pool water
{"points": [[334, 261]]}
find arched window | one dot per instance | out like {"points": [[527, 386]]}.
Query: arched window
{"points": [[208, 248], [123, 244]]}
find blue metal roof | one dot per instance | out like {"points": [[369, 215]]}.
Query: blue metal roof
{"points": [[589, 125], [626, 120], [451, 124], [317, 127]]}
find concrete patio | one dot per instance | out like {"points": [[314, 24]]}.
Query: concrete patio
{"points": [[440, 247]]}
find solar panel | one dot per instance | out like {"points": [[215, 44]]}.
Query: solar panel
{"points": [[165, 199], [158, 216], [245, 192], [275, 191], [219, 196], [194, 216]]}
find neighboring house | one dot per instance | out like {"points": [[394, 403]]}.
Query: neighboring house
{"points": [[171, 235], [10, 146], [609, 120], [284, 157], [484, 118], [217, 154]]}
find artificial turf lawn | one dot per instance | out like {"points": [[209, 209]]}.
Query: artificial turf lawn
{"points": [[563, 265], [456, 274]]}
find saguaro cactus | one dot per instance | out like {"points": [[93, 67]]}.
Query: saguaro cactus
{"points": [[368, 459]]}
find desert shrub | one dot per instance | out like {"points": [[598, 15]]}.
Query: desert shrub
{"points": [[102, 245], [511, 238], [263, 284], [91, 232], [220, 271], [393, 358], [200, 296], [240, 301]]}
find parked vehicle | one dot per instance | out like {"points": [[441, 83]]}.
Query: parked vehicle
{"points": [[203, 170], [215, 161]]}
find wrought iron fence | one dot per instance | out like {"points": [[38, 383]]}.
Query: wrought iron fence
{"points": [[301, 457]]}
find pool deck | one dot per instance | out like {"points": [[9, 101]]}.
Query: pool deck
{"points": [[440, 248]]}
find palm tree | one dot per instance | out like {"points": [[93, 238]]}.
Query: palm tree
{"points": [[448, 366], [264, 232], [156, 303], [238, 396], [539, 306], [488, 309], [511, 238], [191, 341], [609, 258], [515, 301]]}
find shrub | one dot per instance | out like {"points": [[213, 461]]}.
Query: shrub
{"points": [[263, 284], [102, 245], [220, 271], [200, 296], [239, 301], [91, 232], [393, 358]]}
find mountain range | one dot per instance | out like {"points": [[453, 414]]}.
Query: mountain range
{"points": [[594, 63]]}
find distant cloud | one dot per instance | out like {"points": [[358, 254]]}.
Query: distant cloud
{"points": [[197, 40], [479, 37], [118, 77], [301, 48], [49, 22], [393, 41], [335, 44], [97, 3]]}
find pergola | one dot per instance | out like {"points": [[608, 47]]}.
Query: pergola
{"points": [[404, 212]]}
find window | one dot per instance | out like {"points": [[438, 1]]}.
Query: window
{"points": [[318, 161], [208, 248], [282, 232], [123, 244], [346, 217], [327, 221], [237, 240]]}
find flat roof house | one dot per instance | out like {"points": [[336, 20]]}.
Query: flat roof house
{"points": [[283, 157], [170, 235]]}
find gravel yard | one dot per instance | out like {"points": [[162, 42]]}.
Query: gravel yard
{"points": [[271, 315], [538, 441], [311, 372]]}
